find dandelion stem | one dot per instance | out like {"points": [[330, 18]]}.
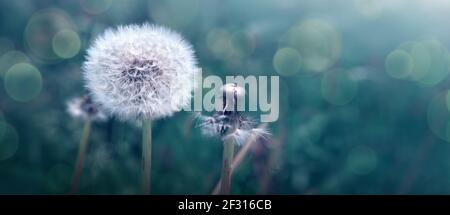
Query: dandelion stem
{"points": [[146, 155], [81, 156], [237, 160], [228, 153], [274, 157]]}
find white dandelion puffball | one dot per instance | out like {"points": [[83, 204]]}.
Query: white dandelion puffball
{"points": [[84, 108], [141, 71]]}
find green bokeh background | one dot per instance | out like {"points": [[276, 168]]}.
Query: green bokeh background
{"points": [[364, 107]]}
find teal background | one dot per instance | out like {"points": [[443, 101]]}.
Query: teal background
{"points": [[363, 97]]}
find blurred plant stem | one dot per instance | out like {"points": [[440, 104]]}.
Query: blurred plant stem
{"points": [[146, 155], [228, 153], [81, 157], [274, 157], [239, 158]]}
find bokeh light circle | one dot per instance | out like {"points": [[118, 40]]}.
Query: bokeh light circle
{"points": [[287, 61], [422, 61], [218, 42], [371, 9], [11, 58], [174, 13], [23, 82], [430, 60], [96, 6], [9, 141], [399, 64], [242, 43], [66, 43], [362, 160], [338, 87], [438, 116], [40, 31], [438, 68], [318, 43]]}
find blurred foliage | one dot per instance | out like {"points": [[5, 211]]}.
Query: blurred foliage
{"points": [[363, 96]]}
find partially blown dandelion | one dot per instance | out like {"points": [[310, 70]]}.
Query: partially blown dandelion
{"points": [[83, 108], [233, 128], [141, 72]]}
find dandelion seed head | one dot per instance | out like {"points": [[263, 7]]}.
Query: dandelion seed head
{"points": [[141, 71], [235, 126], [85, 108], [231, 94], [229, 122]]}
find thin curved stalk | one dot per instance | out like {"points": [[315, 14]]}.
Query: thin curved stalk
{"points": [[236, 161], [81, 157], [228, 153], [241, 154]]}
